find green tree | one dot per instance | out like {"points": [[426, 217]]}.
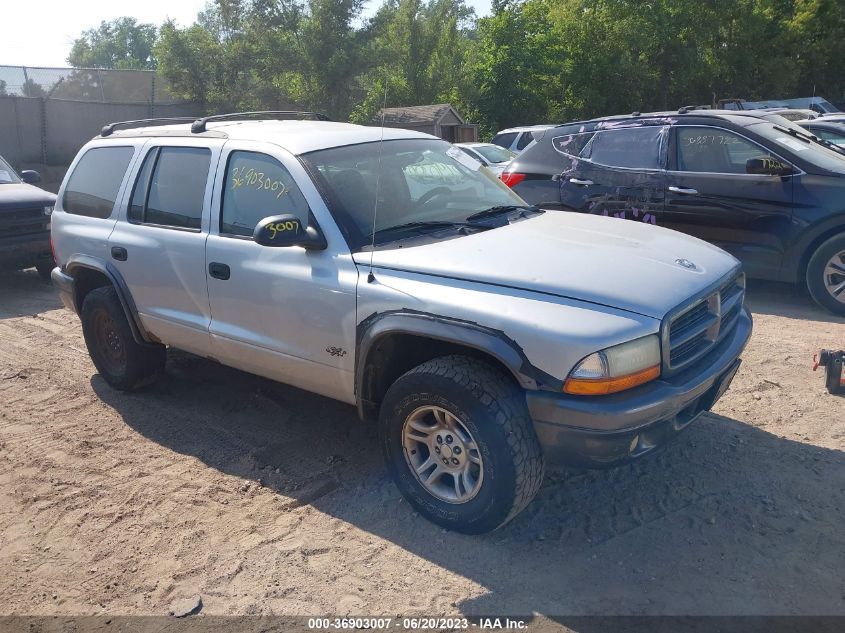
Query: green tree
{"points": [[122, 43], [416, 52]]}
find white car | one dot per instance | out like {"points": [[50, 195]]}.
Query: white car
{"points": [[517, 139], [387, 269], [494, 157]]}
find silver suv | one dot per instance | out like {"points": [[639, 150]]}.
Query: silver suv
{"points": [[388, 270]]}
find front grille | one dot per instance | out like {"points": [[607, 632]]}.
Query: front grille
{"points": [[22, 221], [695, 329]]}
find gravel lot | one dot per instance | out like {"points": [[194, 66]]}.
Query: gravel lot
{"points": [[265, 499]]}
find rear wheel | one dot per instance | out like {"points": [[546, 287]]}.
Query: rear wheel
{"points": [[460, 444], [121, 361], [826, 274], [45, 268]]}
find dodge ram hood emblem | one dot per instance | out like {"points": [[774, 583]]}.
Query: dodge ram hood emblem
{"points": [[685, 263]]}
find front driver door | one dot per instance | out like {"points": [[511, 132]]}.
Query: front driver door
{"points": [[285, 313], [710, 196]]}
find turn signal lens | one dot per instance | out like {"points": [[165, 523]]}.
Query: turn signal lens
{"points": [[604, 386], [616, 368]]}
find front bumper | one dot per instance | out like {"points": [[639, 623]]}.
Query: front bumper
{"points": [[608, 430], [22, 251]]}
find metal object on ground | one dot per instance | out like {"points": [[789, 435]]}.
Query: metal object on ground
{"points": [[832, 363]]}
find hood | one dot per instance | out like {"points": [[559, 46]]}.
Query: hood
{"points": [[23, 196], [617, 263]]}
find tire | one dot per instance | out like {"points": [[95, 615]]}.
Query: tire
{"points": [[121, 361], [818, 279], [45, 268], [488, 417]]}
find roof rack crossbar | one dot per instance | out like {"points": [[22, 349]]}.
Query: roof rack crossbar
{"points": [[199, 125], [111, 127]]}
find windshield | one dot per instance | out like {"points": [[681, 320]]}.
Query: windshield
{"points": [[7, 174], [802, 147], [494, 153], [419, 180]]}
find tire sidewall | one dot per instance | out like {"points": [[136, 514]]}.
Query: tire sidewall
{"points": [[815, 274], [494, 500], [106, 301]]}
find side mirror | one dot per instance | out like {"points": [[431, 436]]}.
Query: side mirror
{"points": [[30, 176], [287, 230], [767, 167]]}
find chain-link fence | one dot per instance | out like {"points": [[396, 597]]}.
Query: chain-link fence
{"points": [[86, 84], [47, 114]]}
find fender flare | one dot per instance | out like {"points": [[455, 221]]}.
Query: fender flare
{"points": [[77, 262], [492, 342], [800, 251]]}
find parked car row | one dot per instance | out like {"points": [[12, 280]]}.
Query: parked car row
{"points": [[760, 187]]}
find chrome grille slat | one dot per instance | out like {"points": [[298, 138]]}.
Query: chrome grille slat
{"points": [[695, 329]]}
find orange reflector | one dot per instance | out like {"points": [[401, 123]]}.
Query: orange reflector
{"points": [[604, 386]]}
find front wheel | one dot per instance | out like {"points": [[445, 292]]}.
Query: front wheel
{"points": [[460, 444], [826, 274]]}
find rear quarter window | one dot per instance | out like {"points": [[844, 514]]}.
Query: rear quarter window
{"points": [[630, 148], [505, 140], [92, 188]]}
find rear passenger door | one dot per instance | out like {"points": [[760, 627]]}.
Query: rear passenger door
{"points": [[710, 196], [285, 313], [158, 243], [619, 173]]}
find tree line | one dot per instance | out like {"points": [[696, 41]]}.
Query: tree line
{"points": [[530, 61]]}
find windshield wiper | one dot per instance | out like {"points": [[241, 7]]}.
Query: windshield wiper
{"points": [[428, 224], [502, 209]]}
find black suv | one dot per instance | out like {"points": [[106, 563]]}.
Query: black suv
{"points": [[768, 194], [24, 221]]}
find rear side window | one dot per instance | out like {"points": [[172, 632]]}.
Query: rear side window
{"points": [[170, 187], [258, 186], [524, 140], [92, 187], [714, 150], [632, 148], [572, 144], [505, 140]]}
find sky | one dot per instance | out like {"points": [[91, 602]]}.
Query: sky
{"points": [[43, 36]]}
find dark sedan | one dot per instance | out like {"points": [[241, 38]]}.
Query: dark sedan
{"points": [[24, 221]]}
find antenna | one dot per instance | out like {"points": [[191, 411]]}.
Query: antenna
{"points": [[370, 276]]}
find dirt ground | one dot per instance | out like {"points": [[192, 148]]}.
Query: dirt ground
{"points": [[268, 500]]}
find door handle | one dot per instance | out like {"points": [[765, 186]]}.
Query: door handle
{"points": [[684, 191], [580, 183], [119, 253], [219, 271]]}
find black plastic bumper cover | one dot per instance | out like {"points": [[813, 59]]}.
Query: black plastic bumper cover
{"points": [[607, 430]]}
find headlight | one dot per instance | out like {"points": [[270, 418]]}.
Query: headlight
{"points": [[616, 368], [48, 210]]}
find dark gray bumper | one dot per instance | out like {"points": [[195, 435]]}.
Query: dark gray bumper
{"points": [[23, 251], [606, 430]]}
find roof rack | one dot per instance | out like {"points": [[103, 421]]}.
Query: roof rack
{"points": [[199, 125], [111, 127]]}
